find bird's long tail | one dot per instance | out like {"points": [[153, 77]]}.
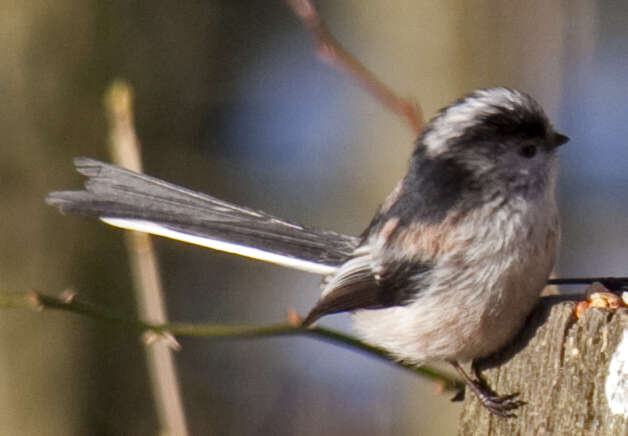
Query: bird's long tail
{"points": [[139, 202]]}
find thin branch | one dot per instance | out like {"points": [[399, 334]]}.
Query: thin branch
{"points": [[612, 283], [332, 53], [125, 148], [70, 303]]}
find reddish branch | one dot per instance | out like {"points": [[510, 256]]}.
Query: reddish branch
{"points": [[332, 53]]}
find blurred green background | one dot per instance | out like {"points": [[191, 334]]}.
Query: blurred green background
{"points": [[231, 100]]}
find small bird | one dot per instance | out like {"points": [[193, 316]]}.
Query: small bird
{"points": [[452, 262]]}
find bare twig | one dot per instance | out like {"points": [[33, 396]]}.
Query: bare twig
{"points": [[125, 149], [37, 301], [612, 283], [332, 53]]}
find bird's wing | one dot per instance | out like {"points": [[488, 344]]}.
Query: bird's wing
{"points": [[365, 283]]}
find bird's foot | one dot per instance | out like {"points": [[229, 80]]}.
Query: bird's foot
{"points": [[501, 405], [496, 404]]}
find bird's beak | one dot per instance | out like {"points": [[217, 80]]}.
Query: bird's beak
{"points": [[559, 139]]}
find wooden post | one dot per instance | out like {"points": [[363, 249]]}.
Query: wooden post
{"points": [[572, 374]]}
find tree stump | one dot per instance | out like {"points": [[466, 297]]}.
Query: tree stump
{"points": [[571, 373]]}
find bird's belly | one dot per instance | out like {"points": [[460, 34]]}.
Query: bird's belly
{"points": [[462, 321], [476, 299]]}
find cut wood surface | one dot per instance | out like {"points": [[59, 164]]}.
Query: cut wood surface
{"points": [[572, 373]]}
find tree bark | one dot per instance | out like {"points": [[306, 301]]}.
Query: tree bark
{"points": [[571, 373]]}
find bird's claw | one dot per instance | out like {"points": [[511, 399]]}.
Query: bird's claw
{"points": [[501, 405]]}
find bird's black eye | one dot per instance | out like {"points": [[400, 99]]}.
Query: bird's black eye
{"points": [[528, 151]]}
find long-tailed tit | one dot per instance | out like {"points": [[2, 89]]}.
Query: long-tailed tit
{"points": [[448, 269]]}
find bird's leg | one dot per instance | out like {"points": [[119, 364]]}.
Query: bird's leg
{"points": [[499, 405]]}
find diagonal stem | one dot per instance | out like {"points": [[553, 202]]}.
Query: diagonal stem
{"points": [[125, 148], [332, 53]]}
